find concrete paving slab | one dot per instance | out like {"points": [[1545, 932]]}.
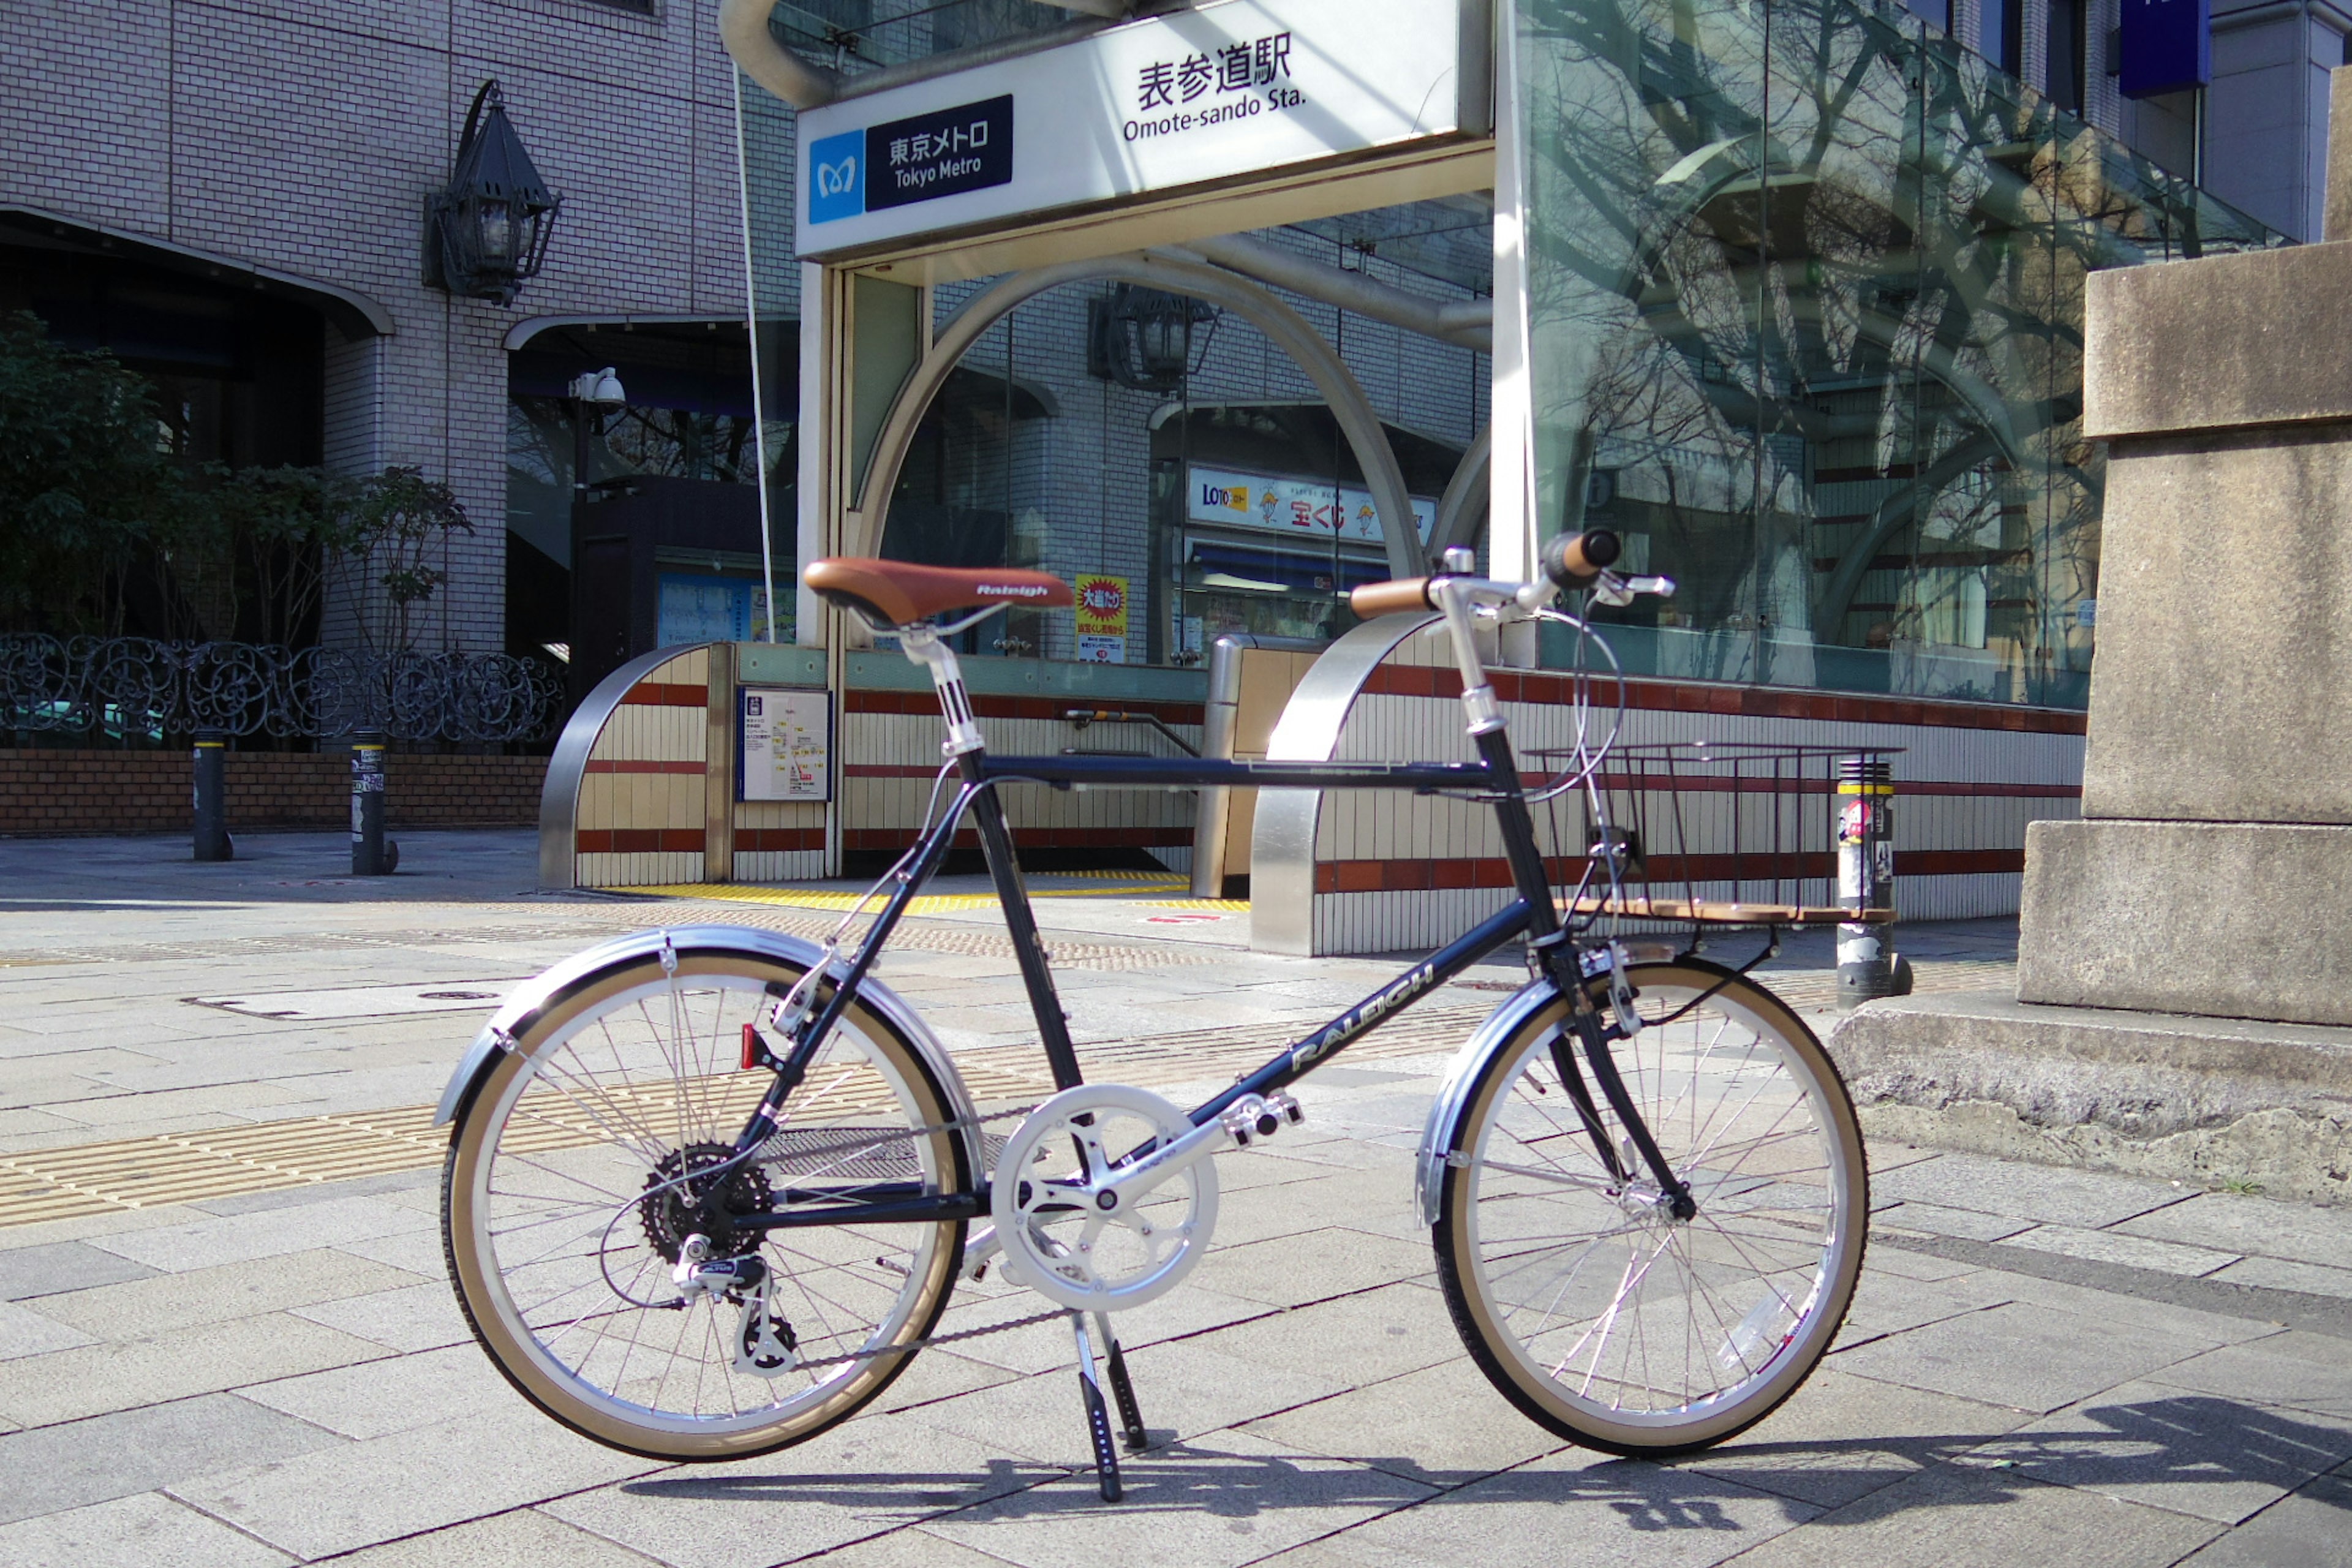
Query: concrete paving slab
{"points": [[1577, 1508], [1364, 1337], [162, 1302], [1222, 1500], [524, 1536], [1186, 1388], [938, 1374], [2297, 1369], [1840, 1437], [2125, 1308], [415, 1252], [2256, 1226], [2045, 1358], [1945, 1517], [1936, 1219], [1292, 1270], [67, 1467], [1889, 1304], [242, 1238], [2305, 1531], [1888, 1257], [377, 1398], [362, 1494], [2053, 1194], [2277, 1274], [2223, 1459], [2131, 1251], [419, 1317], [64, 1385], [1444, 1425], [916, 1547], [854, 1481], [24, 1332], [147, 1528]]}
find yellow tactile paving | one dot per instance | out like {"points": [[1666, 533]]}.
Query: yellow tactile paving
{"points": [[183, 1167], [1093, 885]]}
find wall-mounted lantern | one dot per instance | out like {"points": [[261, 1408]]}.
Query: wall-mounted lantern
{"points": [[1143, 338], [486, 232]]}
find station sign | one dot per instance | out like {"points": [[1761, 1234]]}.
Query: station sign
{"points": [[2166, 46], [1231, 88]]}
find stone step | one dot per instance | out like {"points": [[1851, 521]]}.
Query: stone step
{"points": [[2219, 1102]]}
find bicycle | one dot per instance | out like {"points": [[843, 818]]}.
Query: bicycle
{"points": [[709, 1188]]}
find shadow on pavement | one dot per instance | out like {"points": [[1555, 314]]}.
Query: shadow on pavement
{"points": [[2198, 1440]]}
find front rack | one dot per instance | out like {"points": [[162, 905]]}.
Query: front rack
{"points": [[1700, 833]]}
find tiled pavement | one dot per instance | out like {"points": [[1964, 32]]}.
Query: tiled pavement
{"points": [[2043, 1365]]}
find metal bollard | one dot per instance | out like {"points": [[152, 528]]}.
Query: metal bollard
{"points": [[372, 855], [1867, 968], [212, 842]]}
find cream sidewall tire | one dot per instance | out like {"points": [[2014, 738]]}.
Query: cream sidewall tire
{"points": [[518, 1352]]}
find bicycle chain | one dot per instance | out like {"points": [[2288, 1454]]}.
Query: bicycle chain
{"points": [[913, 1345], [927, 1342]]}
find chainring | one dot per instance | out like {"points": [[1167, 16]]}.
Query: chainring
{"points": [[671, 1213], [1046, 1195]]}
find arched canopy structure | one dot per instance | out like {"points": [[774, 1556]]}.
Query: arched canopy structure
{"points": [[1288, 331]]}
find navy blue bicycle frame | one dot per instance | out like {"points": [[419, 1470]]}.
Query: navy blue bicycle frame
{"points": [[1531, 913]]}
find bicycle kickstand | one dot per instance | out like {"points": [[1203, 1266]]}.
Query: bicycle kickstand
{"points": [[1122, 1389], [1098, 1414]]}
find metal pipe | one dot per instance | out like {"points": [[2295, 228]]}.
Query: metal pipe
{"points": [[1467, 323]]}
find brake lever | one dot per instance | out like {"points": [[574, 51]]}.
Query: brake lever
{"points": [[1618, 592]]}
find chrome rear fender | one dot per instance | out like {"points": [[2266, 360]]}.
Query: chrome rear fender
{"points": [[534, 998]]}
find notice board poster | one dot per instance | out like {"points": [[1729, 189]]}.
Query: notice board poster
{"points": [[1102, 619], [786, 750]]}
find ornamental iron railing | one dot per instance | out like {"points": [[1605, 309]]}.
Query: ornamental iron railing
{"points": [[139, 688]]}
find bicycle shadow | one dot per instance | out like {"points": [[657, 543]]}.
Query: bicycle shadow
{"points": [[2194, 1441]]}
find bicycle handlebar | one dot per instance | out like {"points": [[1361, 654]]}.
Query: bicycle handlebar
{"points": [[1577, 560], [1389, 598], [1571, 561]]}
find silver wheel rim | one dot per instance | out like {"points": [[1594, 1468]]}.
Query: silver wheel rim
{"points": [[558, 1221], [1627, 1321]]}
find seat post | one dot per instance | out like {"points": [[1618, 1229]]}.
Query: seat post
{"points": [[922, 643]]}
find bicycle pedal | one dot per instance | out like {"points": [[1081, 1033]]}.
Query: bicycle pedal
{"points": [[1253, 1117]]}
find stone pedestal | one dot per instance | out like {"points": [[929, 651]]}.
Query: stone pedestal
{"points": [[2179, 945]]}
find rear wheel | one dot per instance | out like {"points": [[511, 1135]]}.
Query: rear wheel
{"points": [[571, 1192], [1583, 1298]]}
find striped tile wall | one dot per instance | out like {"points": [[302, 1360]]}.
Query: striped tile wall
{"points": [[1968, 783]]}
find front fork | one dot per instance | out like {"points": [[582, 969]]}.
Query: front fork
{"points": [[1558, 956]]}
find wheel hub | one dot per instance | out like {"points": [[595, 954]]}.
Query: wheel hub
{"points": [[705, 1206]]}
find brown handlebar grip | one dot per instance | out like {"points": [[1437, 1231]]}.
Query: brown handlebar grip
{"points": [[1574, 560], [1389, 598]]}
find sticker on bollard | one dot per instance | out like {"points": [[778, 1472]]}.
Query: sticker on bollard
{"points": [[372, 855], [1867, 967]]}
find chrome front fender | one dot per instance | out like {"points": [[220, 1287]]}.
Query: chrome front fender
{"points": [[532, 999], [1500, 1027]]}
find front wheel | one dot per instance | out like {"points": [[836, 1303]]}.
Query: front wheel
{"points": [[570, 1192], [1579, 1294]]}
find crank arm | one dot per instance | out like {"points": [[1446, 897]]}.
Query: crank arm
{"points": [[1251, 1116]]}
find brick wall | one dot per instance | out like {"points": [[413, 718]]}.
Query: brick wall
{"points": [[71, 793]]}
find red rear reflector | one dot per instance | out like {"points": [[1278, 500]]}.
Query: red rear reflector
{"points": [[751, 1048]]}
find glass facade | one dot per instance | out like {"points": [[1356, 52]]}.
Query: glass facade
{"points": [[1805, 287]]}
